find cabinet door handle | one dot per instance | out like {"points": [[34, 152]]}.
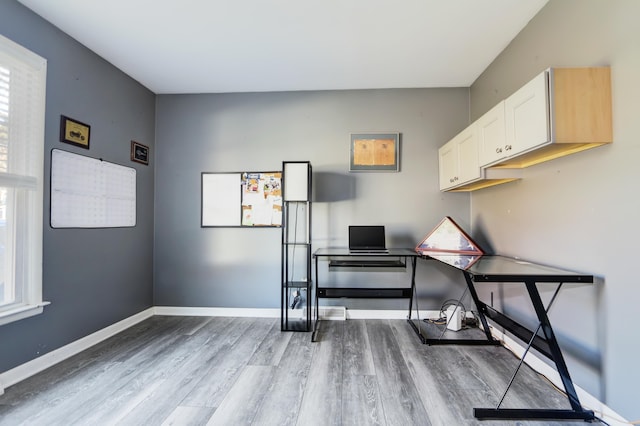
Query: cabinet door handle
{"points": [[508, 147], [498, 150]]}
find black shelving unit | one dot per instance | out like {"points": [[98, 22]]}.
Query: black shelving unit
{"points": [[296, 285]]}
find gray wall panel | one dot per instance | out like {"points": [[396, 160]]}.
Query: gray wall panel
{"points": [[93, 278], [230, 267], [578, 212]]}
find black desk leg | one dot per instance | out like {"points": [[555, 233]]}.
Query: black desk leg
{"points": [[413, 284], [577, 412], [556, 353], [314, 334], [476, 301], [416, 328]]}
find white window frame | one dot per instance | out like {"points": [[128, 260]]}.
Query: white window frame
{"points": [[25, 188]]}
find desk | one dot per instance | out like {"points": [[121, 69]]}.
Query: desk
{"points": [[498, 269], [342, 258]]}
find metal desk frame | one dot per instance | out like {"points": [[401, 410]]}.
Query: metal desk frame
{"points": [[343, 258], [499, 269]]}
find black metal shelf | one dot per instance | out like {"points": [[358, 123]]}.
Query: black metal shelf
{"points": [[296, 284]]}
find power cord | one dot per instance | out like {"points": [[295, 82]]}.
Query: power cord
{"points": [[296, 293], [442, 319]]}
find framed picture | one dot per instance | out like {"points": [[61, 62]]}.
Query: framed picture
{"points": [[74, 132], [373, 152], [139, 153]]}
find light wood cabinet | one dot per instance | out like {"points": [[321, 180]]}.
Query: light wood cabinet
{"points": [[560, 112]]}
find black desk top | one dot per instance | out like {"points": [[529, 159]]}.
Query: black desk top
{"points": [[344, 251], [489, 268]]}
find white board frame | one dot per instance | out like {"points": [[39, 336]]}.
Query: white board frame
{"points": [[221, 200], [91, 193]]}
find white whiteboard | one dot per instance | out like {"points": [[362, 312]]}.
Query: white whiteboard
{"points": [[91, 193], [221, 199]]}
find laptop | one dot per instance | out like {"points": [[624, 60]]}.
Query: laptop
{"points": [[367, 239]]}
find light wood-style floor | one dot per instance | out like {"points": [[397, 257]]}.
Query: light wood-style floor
{"points": [[240, 371]]}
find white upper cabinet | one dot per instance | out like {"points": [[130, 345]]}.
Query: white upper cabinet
{"points": [[458, 159], [492, 145], [467, 142], [448, 165], [527, 115]]}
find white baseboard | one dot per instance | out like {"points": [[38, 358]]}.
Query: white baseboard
{"points": [[587, 400], [28, 369], [388, 314], [217, 312], [326, 312], [341, 313]]}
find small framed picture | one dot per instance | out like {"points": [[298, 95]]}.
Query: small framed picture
{"points": [[139, 153], [374, 152], [74, 132]]}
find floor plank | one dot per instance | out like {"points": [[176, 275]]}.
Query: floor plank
{"points": [[357, 356], [241, 403], [189, 416], [400, 398], [272, 347], [215, 337], [283, 399], [361, 403], [227, 366], [321, 404]]}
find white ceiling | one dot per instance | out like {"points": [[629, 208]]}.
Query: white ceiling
{"points": [[216, 46]]}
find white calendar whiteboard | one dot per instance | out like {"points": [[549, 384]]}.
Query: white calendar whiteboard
{"points": [[91, 193], [221, 199]]}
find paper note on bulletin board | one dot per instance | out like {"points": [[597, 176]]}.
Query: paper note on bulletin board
{"points": [[90, 193]]}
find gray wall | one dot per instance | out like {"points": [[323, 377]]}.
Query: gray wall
{"points": [[578, 212], [231, 267], [93, 278]]}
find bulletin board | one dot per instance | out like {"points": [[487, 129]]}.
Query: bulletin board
{"points": [[241, 199], [91, 193]]}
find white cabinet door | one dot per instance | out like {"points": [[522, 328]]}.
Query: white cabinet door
{"points": [[458, 159], [468, 166], [491, 136], [448, 165], [527, 116]]}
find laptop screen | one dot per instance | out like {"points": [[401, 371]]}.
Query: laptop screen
{"points": [[366, 238]]}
